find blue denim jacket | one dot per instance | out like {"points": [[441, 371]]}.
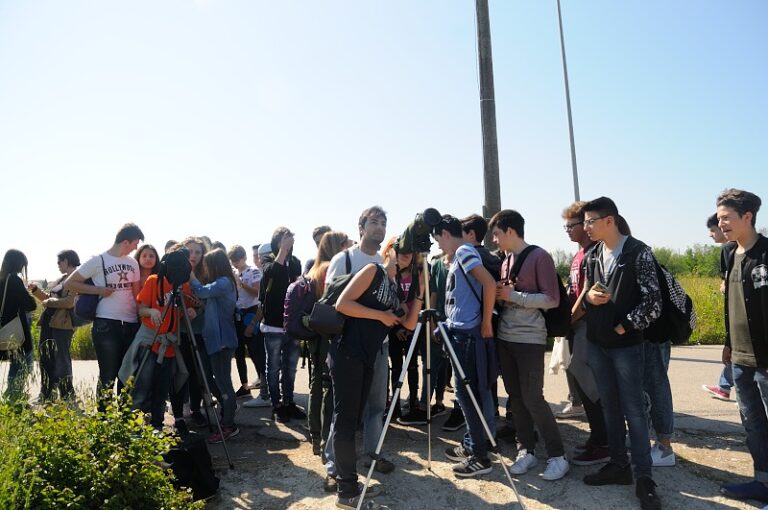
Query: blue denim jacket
{"points": [[219, 318]]}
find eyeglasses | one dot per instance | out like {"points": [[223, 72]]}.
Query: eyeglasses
{"points": [[571, 226], [591, 221]]}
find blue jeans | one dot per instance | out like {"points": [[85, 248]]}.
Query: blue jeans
{"points": [[282, 358], [18, 372], [657, 388], [151, 386], [221, 368], [475, 438], [752, 396], [619, 376], [726, 378]]}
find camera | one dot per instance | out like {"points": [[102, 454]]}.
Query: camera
{"points": [[175, 267], [415, 238]]}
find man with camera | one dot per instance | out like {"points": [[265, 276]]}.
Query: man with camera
{"points": [[469, 301], [372, 226], [281, 268]]}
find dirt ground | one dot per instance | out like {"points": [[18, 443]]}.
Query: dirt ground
{"points": [[275, 468]]}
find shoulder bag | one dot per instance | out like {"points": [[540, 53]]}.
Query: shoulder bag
{"points": [[12, 334]]}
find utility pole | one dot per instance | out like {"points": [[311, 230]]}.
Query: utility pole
{"points": [[488, 115], [568, 107]]}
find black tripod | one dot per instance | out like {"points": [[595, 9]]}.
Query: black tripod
{"points": [[425, 316], [176, 301]]}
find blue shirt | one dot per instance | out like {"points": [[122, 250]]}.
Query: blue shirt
{"points": [[219, 318], [463, 291]]}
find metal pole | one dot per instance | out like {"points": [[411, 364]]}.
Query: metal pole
{"points": [[491, 183], [568, 106]]}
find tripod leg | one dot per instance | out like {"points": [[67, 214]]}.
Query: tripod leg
{"points": [[395, 398], [201, 370], [463, 377]]}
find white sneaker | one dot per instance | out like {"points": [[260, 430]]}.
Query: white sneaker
{"points": [[258, 402], [557, 467], [661, 456], [570, 411], [523, 463]]}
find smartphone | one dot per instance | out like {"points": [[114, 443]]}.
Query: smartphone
{"points": [[602, 288]]}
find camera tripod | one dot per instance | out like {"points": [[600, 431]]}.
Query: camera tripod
{"points": [[176, 301], [425, 316]]}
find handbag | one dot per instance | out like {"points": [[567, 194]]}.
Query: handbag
{"points": [[86, 304], [325, 320], [12, 334]]}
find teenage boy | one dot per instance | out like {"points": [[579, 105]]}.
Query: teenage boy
{"points": [[722, 390], [622, 300], [249, 279], [317, 235], [581, 380], [281, 268], [746, 329], [469, 300], [372, 226], [115, 278], [522, 340]]}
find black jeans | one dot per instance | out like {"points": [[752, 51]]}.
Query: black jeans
{"points": [[55, 363], [598, 435], [351, 384], [320, 391], [249, 343], [522, 370], [397, 351], [111, 339]]}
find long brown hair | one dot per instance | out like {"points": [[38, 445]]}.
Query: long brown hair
{"points": [[217, 265], [199, 268], [330, 244], [14, 262]]}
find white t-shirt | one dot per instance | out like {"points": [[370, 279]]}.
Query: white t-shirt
{"points": [[121, 273], [338, 264], [250, 276]]}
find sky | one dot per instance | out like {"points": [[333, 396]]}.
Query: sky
{"points": [[231, 118]]}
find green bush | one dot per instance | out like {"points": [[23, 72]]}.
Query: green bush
{"points": [[59, 457], [82, 344], [708, 303]]}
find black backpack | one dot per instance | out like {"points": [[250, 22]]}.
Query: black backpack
{"points": [[678, 318], [558, 319], [192, 468], [324, 319]]}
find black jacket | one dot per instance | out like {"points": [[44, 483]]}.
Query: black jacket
{"points": [[18, 302], [274, 284], [635, 295], [755, 282]]}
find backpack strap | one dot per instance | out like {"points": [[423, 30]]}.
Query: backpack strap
{"points": [[519, 260], [348, 261]]}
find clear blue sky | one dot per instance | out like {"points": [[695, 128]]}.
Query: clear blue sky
{"points": [[229, 118]]}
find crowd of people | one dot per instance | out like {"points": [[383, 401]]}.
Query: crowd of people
{"points": [[495, 306]]}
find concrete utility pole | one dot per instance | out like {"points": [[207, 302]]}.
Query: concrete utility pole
{"points": [[568, 107], [488, 115]]}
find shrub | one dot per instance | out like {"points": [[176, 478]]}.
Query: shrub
{"points": [[58, 457]]}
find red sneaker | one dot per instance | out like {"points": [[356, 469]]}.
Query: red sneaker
{"points": [[226, 433], [716, 392]]}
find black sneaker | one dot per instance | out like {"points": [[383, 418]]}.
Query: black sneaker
{"points": [[438, 409], [611, 474], [198, 419], [281, 414], [472, 467], [382, 466], [645, 490], [415, 417], [455, 421], [329, 484], [295, 412], [316, 450], [457, 453], [242, 393], [507, 433]]}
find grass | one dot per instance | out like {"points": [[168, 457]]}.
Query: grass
{"points": [[708, 303]]}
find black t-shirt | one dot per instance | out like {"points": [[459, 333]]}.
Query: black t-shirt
{"points": [[363, 338], [17, 303]]}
